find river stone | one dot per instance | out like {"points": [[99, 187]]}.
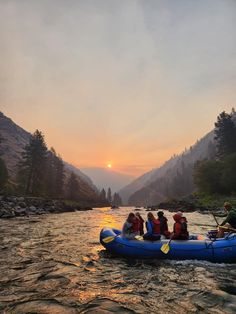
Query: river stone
{"points": [[32, 208], [22, 204]]}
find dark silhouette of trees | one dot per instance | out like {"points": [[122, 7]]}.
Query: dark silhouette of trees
{"points": [[109, 196], [54, 175], [32, 168], [117, 199], [225, 135], [103, 194], [72, 188]]}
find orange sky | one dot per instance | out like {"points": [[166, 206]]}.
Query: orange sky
{"points": [[128, 83]]}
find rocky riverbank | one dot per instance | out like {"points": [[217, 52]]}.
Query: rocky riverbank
{"points": [[11, 207]]}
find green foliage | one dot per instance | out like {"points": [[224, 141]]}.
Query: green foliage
{"points": [[225, 135], [229, 173], [32, 168], [207, 176], [3, 174]]}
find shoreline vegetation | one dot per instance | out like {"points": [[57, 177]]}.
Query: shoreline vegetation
{"points": [[196, 202], [20, 206]]}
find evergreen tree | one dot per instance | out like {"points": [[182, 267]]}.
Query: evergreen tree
{"points": [[31, 175], [3, 174], [109, 196], [54, 174], [229, 173], [117, 199], [103, 194], [225, 135], [207, 176], [72, 187]]}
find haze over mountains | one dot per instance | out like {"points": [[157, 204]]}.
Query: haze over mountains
{"points": [[105, 178], [15, 138], [173, 179]]}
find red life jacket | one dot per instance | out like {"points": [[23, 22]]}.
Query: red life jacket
{"points": [[136, 225], [156, 226], [180, 230]]}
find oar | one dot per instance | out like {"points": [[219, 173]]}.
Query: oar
{"points": [[166, 247], [109, 239], [112, 238], [215, 219]]}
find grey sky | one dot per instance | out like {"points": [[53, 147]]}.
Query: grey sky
{"points": [[130, 82]]}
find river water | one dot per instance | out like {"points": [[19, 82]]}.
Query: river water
{"points": [[55, 264]]}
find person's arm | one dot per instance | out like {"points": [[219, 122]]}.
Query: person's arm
{"points": [[228, 218]]}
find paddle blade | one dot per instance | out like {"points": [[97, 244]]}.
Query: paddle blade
{"points": [[165, 248], [138, 237], [108, 239]]}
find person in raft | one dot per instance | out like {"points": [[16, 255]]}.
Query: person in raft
{"points": [[153, 228], [128, 230], [180, 228], [163, 224], [230, 220], [140, 222]]}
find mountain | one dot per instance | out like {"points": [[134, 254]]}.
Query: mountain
{"points": [[105, 178], [173, 179], [14, 139]]}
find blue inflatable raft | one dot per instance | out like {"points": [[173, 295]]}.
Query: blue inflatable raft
{"points": [[214, 250]]}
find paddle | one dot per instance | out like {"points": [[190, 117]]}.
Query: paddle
{"points": [[215, 219], [112, 238], [109, 239], [166, 247]]}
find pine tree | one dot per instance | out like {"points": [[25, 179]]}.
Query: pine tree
{"points": [[72, 187], [31, 175], [117, 199], [109, 196], [54, 174], [103, 194], [225, 135]]}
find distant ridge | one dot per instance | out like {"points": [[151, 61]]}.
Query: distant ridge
{"points": [[105, 178], [157, 185]]}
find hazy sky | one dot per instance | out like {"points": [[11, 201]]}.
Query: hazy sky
{"points": [[120, 81]]}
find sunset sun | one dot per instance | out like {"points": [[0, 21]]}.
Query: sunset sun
{"points": [[109, 165]]}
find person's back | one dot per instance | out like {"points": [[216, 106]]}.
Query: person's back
{"points": [[128, 227], [180, 229], [141, 222], [153, 228], [163, 224]]}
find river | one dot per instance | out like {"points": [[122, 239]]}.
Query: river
{"points": [[55, 264]]}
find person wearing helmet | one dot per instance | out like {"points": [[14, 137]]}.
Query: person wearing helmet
{"points": [[180, 228], [230, 220]]}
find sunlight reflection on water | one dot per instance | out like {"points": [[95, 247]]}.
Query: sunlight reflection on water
{"points": [[55, 264]]}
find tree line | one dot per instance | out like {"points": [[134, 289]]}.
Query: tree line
{"points": [[218, 174], [114, 199], [41, 172]]}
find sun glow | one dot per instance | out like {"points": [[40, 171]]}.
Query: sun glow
{"points": [[109, 165]]}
